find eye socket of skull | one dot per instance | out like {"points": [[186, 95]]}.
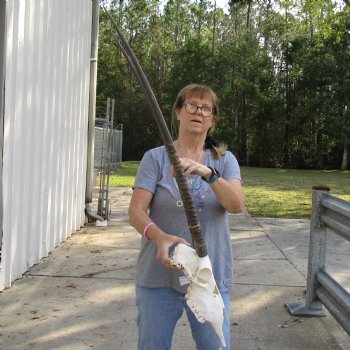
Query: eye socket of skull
{"points": [[204, 275]]}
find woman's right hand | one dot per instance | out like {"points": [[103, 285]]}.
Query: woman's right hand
{"points": [[139, 219], [164, 242]]}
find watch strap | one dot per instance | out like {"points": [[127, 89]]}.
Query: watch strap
{"points": [[213, 177]]}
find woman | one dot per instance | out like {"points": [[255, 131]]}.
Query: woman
{"points": [[156, 211]]}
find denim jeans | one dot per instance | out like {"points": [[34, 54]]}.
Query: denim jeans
{"points": [[159, 309]]}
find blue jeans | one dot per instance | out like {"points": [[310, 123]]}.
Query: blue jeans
{"points": [[159, 309]]}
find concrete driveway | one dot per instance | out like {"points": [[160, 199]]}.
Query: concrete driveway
{"points": [[82, 295]]}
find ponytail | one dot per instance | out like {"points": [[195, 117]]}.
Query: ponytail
{"points": [[217, 149]]}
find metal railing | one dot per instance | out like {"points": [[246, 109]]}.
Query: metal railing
{"points": [[108, 136], [108, 151], [328, 212]]}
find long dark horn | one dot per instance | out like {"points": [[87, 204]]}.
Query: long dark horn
{"points": [[192, 219]]}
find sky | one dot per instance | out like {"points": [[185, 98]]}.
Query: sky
{"points": [[221, 3]]}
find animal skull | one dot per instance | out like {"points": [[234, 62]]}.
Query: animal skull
{"points": [[203, 296]]}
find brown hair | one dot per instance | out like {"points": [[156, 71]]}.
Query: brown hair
{"points": [[201, 91]]}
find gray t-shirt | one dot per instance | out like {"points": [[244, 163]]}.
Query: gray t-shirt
{"points": [[167, 211]]}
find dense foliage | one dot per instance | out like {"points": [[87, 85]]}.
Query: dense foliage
{"points": [[280, 69]]}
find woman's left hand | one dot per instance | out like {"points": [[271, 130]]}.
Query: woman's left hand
{"points": [[191, 167]]}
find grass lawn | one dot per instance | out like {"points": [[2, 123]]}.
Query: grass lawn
{"points": [[282, 193], [286, 193], [124, 176]]}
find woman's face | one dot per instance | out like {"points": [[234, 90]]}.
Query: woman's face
{"points": [[196, 120]]}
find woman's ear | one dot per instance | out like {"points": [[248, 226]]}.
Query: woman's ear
{"points": [[177, 111]]}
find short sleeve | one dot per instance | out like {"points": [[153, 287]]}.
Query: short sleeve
{"points": [[147, 173], [231, 168]]}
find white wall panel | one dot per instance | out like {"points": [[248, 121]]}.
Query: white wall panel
{"points": [[45, 128]]}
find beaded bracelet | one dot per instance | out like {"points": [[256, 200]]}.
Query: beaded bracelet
{"points": [[150, 224]]}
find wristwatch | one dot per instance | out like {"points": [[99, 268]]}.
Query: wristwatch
{"points": [[213, 177]]}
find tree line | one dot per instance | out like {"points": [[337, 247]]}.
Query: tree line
{"points": [[280, 69]]}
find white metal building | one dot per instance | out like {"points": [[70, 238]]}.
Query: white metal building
{"points": [[44, 106]]}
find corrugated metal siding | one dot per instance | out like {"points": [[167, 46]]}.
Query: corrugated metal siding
{"points": [[45, 128]]}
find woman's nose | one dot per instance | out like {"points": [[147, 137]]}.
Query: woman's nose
{"points": [[199, 110]]}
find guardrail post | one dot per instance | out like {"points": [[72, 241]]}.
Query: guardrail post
{"points": [[317, 259]]}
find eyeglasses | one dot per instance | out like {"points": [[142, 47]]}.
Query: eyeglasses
{"points": [[192, 108]]}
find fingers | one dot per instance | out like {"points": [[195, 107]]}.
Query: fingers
{"points": [[163, 250], [190, 170], [189, 166], [183, 241], [165, 260]]}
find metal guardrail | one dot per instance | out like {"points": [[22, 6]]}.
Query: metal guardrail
{"points": [[328, 212]]}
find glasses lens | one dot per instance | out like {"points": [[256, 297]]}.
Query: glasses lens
{"points": [[190, 107], [207, 111]]}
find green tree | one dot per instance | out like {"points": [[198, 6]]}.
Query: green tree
{"points": [[279, 68]]}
